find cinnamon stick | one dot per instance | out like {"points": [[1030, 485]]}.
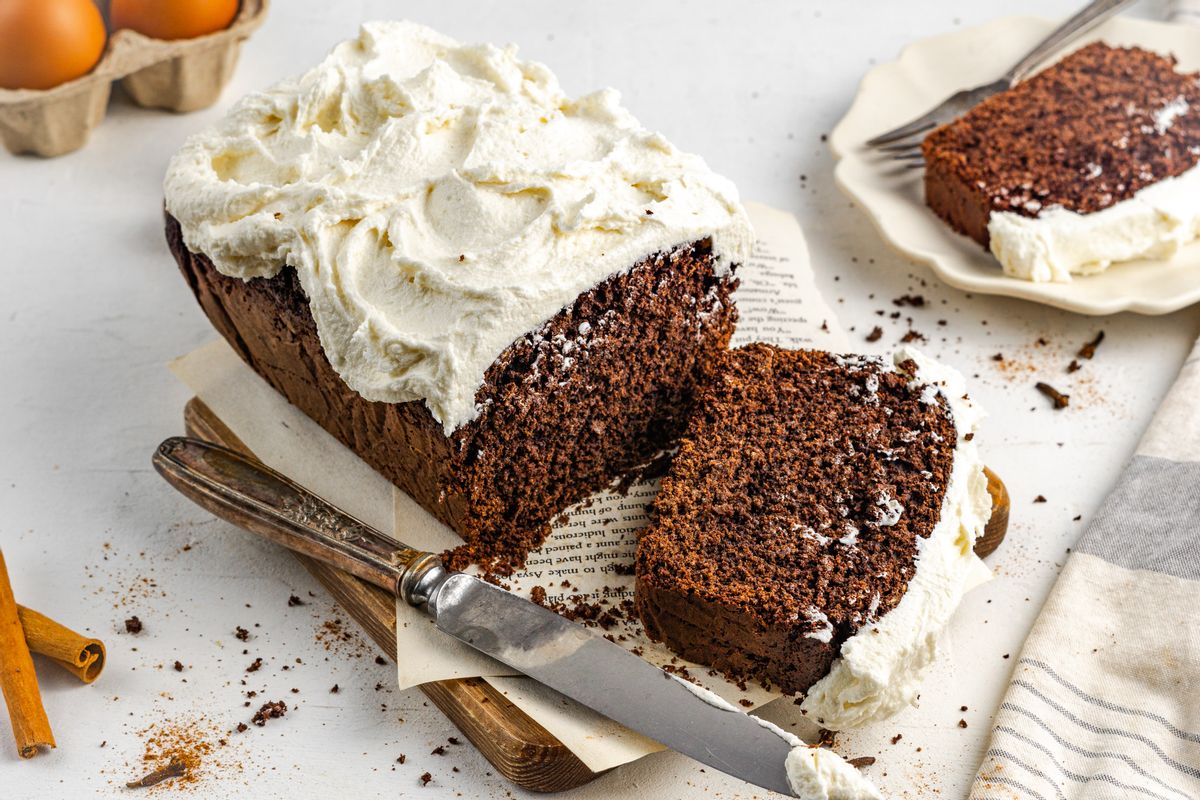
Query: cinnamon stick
{"points": [[83, 657], [18, 681]]}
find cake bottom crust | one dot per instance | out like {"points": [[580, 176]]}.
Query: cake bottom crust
{"points": [[733, 643], [965, 210]]}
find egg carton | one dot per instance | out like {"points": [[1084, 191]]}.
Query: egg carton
{"points": [[181, 75]]}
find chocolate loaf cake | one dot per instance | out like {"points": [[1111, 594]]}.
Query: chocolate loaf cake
{"points": [[815, 528], [1086, 163], [500, 297]]}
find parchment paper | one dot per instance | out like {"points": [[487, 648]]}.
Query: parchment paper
{"points": [[778, 303]]}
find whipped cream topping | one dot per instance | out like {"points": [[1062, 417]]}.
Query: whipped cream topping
{"points": [[438, 201], [880, 667], [816, 773], [1056, 244], [813, 772]]}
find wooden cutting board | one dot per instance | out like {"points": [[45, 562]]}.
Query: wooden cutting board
{"points": [[517, 746]]}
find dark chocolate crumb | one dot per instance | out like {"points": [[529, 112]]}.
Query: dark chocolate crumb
{"points": [[401, 758], [1041, 498], [896, 739], [295, 601], [861, 761], [242, 727], [256, 666], [440, 750], [1061, 400], [380, 660], [962, 723], [269, 711], [875, 335], [133, 625], [179, 666], [176, 769], [335, 689], [1074, 366], [1089, 350], [242, 633], [426, 778]]}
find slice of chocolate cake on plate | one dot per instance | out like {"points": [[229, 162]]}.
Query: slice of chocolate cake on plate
{"points": [[815, 530], [1090, 162], [498, 295]]}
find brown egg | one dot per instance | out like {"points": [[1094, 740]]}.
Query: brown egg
{"points": [[47, 42], [173, 19]]}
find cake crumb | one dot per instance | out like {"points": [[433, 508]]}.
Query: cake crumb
{"points": [[176, 769], [1060, 400], [1088, 351], [272, 710]]}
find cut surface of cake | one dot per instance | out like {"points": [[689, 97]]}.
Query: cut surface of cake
{"points": [[1090, 162], [496, 294], [815, 529]]}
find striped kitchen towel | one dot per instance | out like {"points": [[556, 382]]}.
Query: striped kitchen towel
{"points": [[1105, 697]]}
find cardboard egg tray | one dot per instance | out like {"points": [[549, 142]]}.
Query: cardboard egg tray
{"points": [[181, 75]]}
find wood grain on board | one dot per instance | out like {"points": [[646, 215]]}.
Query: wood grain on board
{"points": [[518, 747]]}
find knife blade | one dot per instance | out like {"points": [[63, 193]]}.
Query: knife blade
{"points": [[547, 647]]}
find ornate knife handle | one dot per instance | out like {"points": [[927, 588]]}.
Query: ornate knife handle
{"points": [[255, 497]]}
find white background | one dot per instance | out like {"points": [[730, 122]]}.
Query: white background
{"points": [[92, 307]]}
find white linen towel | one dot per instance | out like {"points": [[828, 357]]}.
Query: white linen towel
{"points": [[1104, 701]]}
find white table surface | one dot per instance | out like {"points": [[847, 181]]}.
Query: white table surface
{"points": [[91, 309]]}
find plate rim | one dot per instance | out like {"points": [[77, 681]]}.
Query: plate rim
{"points": [[1057, 295]]}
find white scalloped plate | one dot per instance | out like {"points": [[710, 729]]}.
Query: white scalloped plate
{"points": [[929, 71]]}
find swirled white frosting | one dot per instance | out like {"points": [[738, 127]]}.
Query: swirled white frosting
{"points": [[438, 202], [880, 667], [1056, 244]]}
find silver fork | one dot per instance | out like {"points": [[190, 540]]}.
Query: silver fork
{"points": [[904, 143]]}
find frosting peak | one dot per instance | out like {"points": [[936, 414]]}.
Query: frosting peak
{"points": [[438, 201]]}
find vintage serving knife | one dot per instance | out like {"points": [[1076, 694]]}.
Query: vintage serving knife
{"points": [[539, 643]]}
